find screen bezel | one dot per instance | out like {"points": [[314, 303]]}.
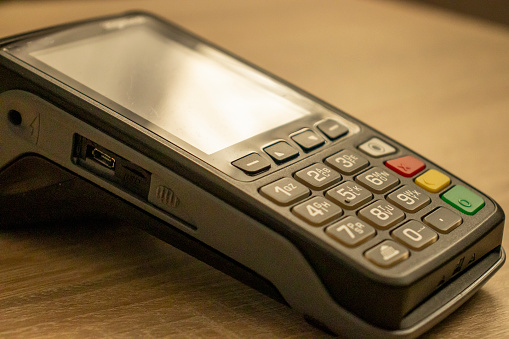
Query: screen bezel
{"points": [[221, 159]]}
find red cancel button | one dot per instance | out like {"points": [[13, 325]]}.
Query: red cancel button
{"points": [[406, 166]]}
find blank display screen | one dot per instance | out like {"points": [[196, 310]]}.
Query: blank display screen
{"points": [[193, 92]]}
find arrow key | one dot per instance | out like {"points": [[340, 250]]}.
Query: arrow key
{"points": [[308, 140], [281, 152]]}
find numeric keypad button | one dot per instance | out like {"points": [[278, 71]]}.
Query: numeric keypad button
{"points": [[381, 214], [350, 231], [409, 199], [349, 195], [285, 191], [415, 235], [347, 162], [318, 176], [317, 211], [377, 180]]}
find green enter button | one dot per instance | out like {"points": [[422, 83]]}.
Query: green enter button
{"points": [[463, 199]]}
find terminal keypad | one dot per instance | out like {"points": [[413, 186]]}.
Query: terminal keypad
{"points": [[359, 197]]}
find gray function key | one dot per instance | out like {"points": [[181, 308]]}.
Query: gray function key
{"points": [[377, 148], [381, 214], [349, 195], [377, 180], [332, 129], [281, 152], [317, 211], [308, 140], [252, 164], [347, 162], [409, 199], [285, 191], [318, 176]]}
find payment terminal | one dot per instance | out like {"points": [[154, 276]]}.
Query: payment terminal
{"points": [[132, 117]]}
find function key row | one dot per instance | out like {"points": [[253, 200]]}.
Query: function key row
{"points": [[281, 151]]}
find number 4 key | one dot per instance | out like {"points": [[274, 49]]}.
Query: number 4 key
{"points": [[317, 211]]}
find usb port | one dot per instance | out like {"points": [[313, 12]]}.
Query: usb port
{"points": [[110, 166], [103, 158]]}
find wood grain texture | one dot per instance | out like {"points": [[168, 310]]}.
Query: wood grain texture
{"points": [[436, 82]]}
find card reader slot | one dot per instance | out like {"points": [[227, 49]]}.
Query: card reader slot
{"points": [[110, 166]]}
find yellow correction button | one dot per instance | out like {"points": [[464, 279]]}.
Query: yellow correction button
{"points": [[433, 181]]}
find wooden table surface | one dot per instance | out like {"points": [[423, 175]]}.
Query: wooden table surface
{"points": [[434, 81]]}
